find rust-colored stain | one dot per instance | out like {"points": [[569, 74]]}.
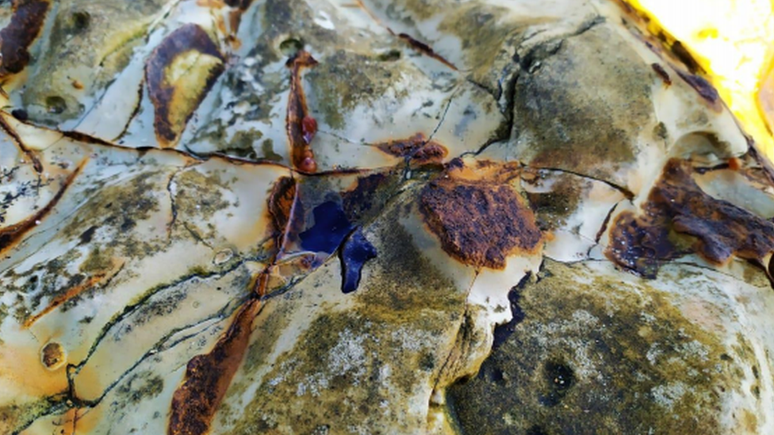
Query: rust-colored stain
{"points": [[208, 376], [417, 148], [300, 126], [658, 69], [478, 217], [11, 234], [52, 356], [15, 38], [677, 204], [425, 49], [163, 93], [284, 208], [96, 279]]}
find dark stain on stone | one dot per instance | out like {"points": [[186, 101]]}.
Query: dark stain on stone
{"points": [[87, 235], [425, 49], [20, 114], [284, 209], [15, 38], [479, 221], [357, 250], [502, 332], [52, 355], [162, 92], [415, 148], [662, 73], [703, 87], [208, 376], [330, 228], [300, 126], [682, 53], [359, 201], [677, 205]]}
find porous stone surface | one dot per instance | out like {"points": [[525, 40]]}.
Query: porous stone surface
{"points": [[399, 217]]}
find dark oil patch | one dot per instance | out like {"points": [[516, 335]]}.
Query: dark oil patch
{"points": [[357, 250], [208, 376], [479, 221], [685, 56], [703, 87], [502, 332], [360, 200], [162, 92], [330, 228], [677, 205], [299, 125], [662, 73], [416, 148], [15, 38]]}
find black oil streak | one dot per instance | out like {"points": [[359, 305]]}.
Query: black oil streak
{"points": [[357, 250]]}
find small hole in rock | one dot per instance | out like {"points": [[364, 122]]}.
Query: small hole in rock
{"points": [[20, 114], [56, 105], [389, 56], [536, 430], [81, 20], [559, 376], [291, 46]]}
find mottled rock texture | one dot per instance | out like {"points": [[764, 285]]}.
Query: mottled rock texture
{"points": [[374, 217]]}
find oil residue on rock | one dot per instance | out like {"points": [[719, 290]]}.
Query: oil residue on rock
{"points": [[357, 250], [330, 228]]}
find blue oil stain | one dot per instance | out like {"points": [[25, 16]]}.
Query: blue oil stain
{"points": [[330, 228], [356, 252]]}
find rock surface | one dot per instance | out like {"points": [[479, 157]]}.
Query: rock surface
{"points": [[334, 217]]}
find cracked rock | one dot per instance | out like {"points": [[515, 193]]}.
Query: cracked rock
{"points": [[489, 217]]}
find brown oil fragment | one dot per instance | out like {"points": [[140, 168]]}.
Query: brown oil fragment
{"points": [[300, 126], [425, 49], [662, 73], [179, 73], [677, 204], [685, 56], [52, 355], [285, 210], [208, 376], [12, 234], [15, 38], [703, 87], [478, 217], [417, 148]]}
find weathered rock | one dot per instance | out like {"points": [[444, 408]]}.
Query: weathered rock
{"points": [[311, 216]]}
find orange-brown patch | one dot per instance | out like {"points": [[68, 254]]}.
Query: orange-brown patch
{"points": [[15, 38], [417, 148], [208, 376], [284, 209], [52, 355], [478, 217], [187, 38], [676, 203], [299, 125]]}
